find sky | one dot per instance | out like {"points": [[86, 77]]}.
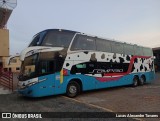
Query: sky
{"points": [[132, 21]]}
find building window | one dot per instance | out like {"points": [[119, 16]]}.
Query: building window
{"points": [[5, 69], [13, 60], [10, 69], [17, 68]]}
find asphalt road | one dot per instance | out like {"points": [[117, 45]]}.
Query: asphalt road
{"points": [[16, 103], [126, 99]]}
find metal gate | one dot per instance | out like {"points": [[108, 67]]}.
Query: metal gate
{"points": [[6, 79]]}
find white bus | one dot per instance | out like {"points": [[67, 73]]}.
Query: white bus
{"points": [[63, 61]]}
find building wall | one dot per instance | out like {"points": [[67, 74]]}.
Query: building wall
{"points": [[4, 42], [14, 66]]}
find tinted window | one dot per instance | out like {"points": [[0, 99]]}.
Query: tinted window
{"points": [[46, 67], [47, 55], [17, 68], [117, 47], [83, 42], [103, 45], [138, 50], [37, 39], [13, 61], [29, 66], [128, 49], [51, 61], [58, 39], [147, 51]]}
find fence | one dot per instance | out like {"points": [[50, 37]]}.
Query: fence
{"points": [[6, 79]]}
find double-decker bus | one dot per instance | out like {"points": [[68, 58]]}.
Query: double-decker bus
{"points": [[69, 62]]}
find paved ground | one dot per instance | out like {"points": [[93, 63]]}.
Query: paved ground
{"points": [[122, 99], [4, 90], [126, 99], [146, 98], [17, 103]]}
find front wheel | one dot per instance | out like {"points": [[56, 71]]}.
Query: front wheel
{"points": [[73, 89]]}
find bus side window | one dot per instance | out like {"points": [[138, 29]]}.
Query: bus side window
{"points": [[103, 45], [43, 70], [117, 47], [138, 50], [147, 51], [128, 49], [83, 42], [46, 67]]}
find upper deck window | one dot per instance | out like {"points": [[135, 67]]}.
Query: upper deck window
{"points": [[52, 38], [117, 47], [128, 49], [58, 39], [103, 45], [147, 51], [83, 42], [37, 39], [138, 50]]}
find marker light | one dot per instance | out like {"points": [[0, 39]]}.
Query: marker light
{"points": [[65, 72]]}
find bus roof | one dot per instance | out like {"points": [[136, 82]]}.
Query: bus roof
{"points": [[76, 32]]}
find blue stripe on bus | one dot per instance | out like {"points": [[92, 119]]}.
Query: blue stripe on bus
{"points": [[54, 87]]}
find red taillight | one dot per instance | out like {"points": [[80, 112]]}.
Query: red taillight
{"points": [[65, 72]]}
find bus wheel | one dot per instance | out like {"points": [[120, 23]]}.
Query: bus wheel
{"points": [[142, 80], [73, 89], [135, 81]]}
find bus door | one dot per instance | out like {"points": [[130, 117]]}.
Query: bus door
{"points": [[60, 84], [46, 75]]}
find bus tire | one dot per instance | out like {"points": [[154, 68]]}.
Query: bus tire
{"points": [[73, 89], [135, 81], [142, 80]]}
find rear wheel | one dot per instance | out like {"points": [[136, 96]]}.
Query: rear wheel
{"points": [[73, 89], [142, 80], [135, 81]]}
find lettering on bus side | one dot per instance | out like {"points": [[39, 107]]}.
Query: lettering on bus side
{"points": [[99, 71], [99, 68]]}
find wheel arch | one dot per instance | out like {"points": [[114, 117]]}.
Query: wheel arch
{"points": [[78, 80], [135, 80], [136, 75], [144, 76]]}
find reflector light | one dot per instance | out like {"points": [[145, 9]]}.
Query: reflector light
{"points": [[65, 72]]}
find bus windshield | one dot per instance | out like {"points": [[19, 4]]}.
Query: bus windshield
{"points": [[28, 68], [40, 64], [52, 38]]}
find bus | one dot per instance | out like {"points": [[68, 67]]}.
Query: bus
{"points": [[68, 62]]}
